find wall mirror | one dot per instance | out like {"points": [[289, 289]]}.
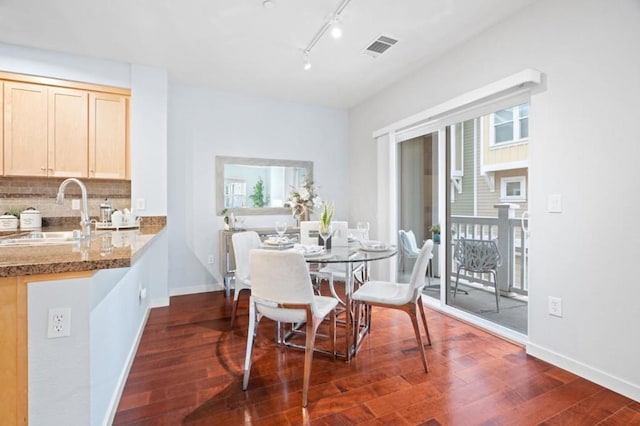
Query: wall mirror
{"points": [[253, 186]]}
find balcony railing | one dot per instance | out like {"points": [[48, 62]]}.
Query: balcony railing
{"points": [[511, 241]]}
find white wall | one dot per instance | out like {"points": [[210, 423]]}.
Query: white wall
{"points": [[205, 123], [59, 369], [149, 139], [583, 146]]}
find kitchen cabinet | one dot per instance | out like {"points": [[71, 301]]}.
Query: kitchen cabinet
{"points": [[67, 154], [25, 129], [63, 129], [45, 131], [108, 150], [1, 128]]}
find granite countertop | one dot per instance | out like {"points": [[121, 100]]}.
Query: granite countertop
{"points": [[106, 249]]}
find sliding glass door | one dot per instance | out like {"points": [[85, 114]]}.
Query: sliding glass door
{"points": [[482, 179]]}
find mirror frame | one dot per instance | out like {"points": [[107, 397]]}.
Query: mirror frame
{"points": [[221, 161]]}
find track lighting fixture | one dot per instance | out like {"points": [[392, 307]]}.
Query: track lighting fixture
{"points": [[307, 64], [336, 31]]}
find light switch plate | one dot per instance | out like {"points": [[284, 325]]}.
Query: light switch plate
{"points": [[141, 204], [75, 204], [554, 203]]}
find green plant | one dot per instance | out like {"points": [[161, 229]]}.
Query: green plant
{"points": [[258, 196], [435, 228], [13, 212], [226, 216], [326, 215]]}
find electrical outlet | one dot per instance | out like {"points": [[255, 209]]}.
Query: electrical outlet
{"points": [[59, 324], [75, 204], [141, 204], [555, 306], [211, 260]]}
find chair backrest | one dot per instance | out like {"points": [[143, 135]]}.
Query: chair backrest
{"points": [[280, 277], [477, 255], [416, 282], [309, 232], [243, 242], [411, 241], [340, 236], [408, 248]]}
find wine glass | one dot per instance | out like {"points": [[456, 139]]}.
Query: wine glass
{"points": [[363, 230], [281, 228], [325, 232]]}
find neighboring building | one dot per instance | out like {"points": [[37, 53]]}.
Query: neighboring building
{"points": [[489, 162]]}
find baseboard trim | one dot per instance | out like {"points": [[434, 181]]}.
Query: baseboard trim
{"points": [[588, 372], [159, 302], [122, 380], [204, 288]]}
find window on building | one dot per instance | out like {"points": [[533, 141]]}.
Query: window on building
{"points": [[510, 125], [235, 193], [513, 189]]}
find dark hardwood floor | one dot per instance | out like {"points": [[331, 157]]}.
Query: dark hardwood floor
{"points": [[188, 370]]}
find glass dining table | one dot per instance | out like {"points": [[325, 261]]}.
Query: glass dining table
{"points": [[353, 257]]}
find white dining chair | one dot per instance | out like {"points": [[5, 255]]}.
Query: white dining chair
{"points": [[242, 243], [282, 291], [404, 296]]}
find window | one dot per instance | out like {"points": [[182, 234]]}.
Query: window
{"points": [[510, 125], [513, 189], [234, 193]]}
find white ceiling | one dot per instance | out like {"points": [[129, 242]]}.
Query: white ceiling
{"points": [[240, 46]]}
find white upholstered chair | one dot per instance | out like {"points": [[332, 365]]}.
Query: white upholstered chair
{"points": [[242, 242], [281, 290], [406, 297]]}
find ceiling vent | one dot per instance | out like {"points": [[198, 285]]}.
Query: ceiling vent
{"points": [[379, 46]]}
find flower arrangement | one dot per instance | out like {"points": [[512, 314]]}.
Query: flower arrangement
{"points": [[304, 199]]}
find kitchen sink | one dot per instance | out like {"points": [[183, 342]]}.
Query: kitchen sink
{"points": [[37, 238]]}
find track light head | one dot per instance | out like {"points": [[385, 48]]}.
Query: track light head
{"points": [[307, 64]]}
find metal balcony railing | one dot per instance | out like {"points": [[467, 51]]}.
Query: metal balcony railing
{"points": [[512, 243]]}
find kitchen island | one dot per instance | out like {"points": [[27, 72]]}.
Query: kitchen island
{"points": [[104, 282]]}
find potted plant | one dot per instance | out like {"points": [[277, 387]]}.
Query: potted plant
{"points": [[226, 219], [435, 231], [325, 224]]}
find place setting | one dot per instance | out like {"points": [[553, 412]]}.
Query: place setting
{"points": [[279, 241]]}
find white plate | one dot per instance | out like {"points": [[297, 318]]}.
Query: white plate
{"points": [[277, 243], [376, 248]]}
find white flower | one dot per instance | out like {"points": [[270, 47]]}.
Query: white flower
{"points": [[304, 194]]}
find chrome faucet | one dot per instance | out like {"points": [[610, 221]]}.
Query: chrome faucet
{"points": [[85, 223]]}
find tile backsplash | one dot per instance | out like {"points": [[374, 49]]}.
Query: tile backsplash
{"points": [[40, 193]]}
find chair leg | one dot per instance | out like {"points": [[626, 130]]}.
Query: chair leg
{"points": [[308, 357], [455, 289], [495, 283], [424, 318], [236, 296], [414, 320], [251, 335]]}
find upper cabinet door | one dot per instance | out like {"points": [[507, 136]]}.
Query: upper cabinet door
{"points": [[1, 128], [107, 136], [68, 154], [25, 129]]}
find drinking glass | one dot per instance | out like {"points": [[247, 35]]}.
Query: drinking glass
{"points": [[281, 228], [325, 232], [363, 230]]}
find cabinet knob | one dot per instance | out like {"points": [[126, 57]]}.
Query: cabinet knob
{"points": [[50, 169], [93, 172], [43, 168]]}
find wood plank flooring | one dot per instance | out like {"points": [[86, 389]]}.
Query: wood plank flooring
{"points": [[188, 370]]}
